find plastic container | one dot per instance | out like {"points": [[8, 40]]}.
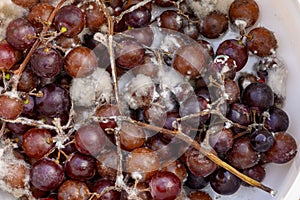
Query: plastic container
{"points": [[282, 17]]}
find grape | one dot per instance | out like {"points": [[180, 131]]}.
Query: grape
{"points": [[277, 120], [165, 186], [261, 42], [261, 140], [94, 16], [244, 10], [137, 163], [10, 107], [107, 161], [39, 14], [199, 164], [37, 142], [46, 62], [7, 56], [90, 139], [199, 195], [107, 110], [258, 95], [80, 62], [46, 174], [80, 167], [224, 183], [242, 155], [15, 175], [190, 60], [221, 140], [191, 30], [17, 128], [54, 102], [177, 168], [164, 3], [70, 18], [73, 190], [214, 25], [256, 172], [284, 149], [100, 185], [131, 136], [129, 54], [236, 50], [232, 90], [144, 35], [28, 80], [239, 113], [196, 182], [138, 18], [20, 34], [225, 65], [170, 19]]}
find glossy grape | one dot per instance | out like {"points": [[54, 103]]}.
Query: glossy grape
{"points": [[261, 140], [138, 18], [7, 56], [102, 184], [73, 190], [165, 186], [214, 25], [171, 20], [277, 120], [10, 107], [39, 14]]}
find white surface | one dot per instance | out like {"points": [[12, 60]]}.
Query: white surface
{"points": [[282, 17]]}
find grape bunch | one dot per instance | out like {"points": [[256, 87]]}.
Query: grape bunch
{"points": [[134, 100]]}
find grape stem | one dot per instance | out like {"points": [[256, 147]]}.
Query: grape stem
{"points": [[206, 152]]}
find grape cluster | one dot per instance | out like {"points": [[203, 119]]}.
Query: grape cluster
{"points": [[131, 100]]}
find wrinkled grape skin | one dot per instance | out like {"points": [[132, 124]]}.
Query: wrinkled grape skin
{"points": [[46, 175], [54, 102], [165, 186], [224, 183], [71, 18], [20, 34], [46, 62], [37, 142], [284, 149]]}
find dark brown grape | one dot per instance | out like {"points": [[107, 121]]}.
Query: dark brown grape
{"points": [[80, 167], [239, 113], [138, 18], [80, 62], [261, 140], [236, 50], [46, 62], [46, 174], [10, 107], [196, 182], [54, 102], [261, 42], [25, 3], [90, 139], [73, 190], [7, 56], [165, 186], [191, 30], [107, 161], [70, 18], [94, 16], [37, 142], [232, 90], [20, 34], [284, 149], [257, 172], [170, 19], [190, 60], [144, 35], [29, 106], [225, 65], [28, 80], [137, 164], [221, 140], [17, 128], [214, 25], [101, 185], [242, 155], [107, 110], [199, 195], [277, 120], [164, 3], [199, 164], [129, 54], [244, 10], [224, 183], [259, 96], [39, 14]]}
